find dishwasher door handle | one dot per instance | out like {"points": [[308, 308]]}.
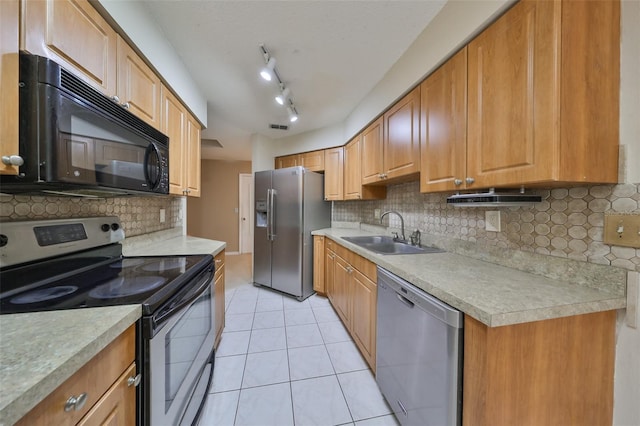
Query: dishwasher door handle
{"points": [[404, 300]]}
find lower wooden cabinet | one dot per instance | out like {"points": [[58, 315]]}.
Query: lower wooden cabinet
{"points": [[318, 264], [350, 282], [104, 381], [552, 372], [218, 291]]}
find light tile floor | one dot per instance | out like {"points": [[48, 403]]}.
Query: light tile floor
{"points": [[284, 362]]}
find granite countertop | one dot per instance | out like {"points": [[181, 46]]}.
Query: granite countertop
{"points": [[493, 294], [40, 350], [170, 242]]}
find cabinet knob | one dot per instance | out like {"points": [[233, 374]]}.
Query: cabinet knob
{"points": [[218, 260], [134, 381], [115, 99], [76, 403], [470, 180], [457, 182], [12, 160], [126, 105]]}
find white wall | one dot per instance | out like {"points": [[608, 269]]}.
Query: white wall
{"points": [[327, 137], [262, 149], [135, 21]]}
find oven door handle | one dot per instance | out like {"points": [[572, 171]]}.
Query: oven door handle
{"points": [[185, 299]]}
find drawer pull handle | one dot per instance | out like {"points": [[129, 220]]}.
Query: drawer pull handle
{"points": [[76, 403], [134, 381], [218, 260]]}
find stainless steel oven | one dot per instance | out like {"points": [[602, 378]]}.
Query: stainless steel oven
{"points": [[78, 263]]}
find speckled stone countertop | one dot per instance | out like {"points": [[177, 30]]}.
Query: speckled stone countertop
{"points": [[493, 294], [40, 350], [170, 242]]}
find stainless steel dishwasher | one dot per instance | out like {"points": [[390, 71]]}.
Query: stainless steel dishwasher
{"points": [[419, 354]]}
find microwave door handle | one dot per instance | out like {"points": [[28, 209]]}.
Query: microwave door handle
{"points": [[152, 179], [272, 217]]}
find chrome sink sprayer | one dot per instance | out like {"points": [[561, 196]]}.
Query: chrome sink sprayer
{"points": [[402, 237]]}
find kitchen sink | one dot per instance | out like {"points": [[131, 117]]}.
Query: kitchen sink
{"points": [[383, 244]]}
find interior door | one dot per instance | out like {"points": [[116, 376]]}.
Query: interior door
{"points": [[286, 260], [245, 222]]}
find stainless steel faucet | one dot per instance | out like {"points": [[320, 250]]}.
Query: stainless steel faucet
{"points": [[402, 237]]}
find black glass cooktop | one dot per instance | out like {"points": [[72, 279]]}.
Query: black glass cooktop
{"points": [[92, 281]]}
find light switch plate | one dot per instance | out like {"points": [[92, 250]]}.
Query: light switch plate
{"points": [[493, 221], [622, 230], [162, 215]]}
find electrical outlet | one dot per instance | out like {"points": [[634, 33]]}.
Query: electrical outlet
{"points": [[163, 217], [376, 213], [622, 230], [493, 221]]}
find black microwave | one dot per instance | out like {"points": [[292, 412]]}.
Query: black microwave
{"points": [[76, 141]]}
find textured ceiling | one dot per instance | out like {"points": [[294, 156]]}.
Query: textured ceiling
{"points": [[329, 53]]}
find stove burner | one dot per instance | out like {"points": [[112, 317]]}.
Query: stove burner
{"points": [[166, 265], [43, 294], [126, 286], [126, 263]]}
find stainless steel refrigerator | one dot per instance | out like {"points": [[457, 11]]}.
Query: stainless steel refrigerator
{"points": [[289, 204]]}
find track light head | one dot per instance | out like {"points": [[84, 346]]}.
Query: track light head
{"points": [[267, 72], [282, 97], [293, 114]]}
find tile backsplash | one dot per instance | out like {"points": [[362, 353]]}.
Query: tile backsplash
{"points": [[568, 223], [138, 215]]}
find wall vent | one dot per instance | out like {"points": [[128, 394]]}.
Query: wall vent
{"points": [[279, 126]]}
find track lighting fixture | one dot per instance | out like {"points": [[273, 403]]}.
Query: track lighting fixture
{"points": [[269, 73], [282, 97]]}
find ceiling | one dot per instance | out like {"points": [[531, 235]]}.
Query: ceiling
{"points": [[330, 53]]}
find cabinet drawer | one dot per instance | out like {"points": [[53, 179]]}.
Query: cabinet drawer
{"points": [[94, 379], [218, 260]]}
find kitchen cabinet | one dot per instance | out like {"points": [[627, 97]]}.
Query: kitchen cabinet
{"points": [[353, 188], [73, 34], [287, 161], [543, 96], [333, 174], [218, 291], [443, 129], [318, 264], [351, 288], [184, 146], [9, 46], [551, 372], [108, 383], [372, 152], [313, 160], [138, 85]]}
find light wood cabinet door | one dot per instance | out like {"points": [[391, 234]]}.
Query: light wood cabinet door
{"points": [[9, 75], [73, 34], [352, 173], [174, 123], [401, 137], [117, 406], [287, 161], [443, 126], [314, 160], [341, 289], [218, 291], [372, 152], [333, 174], [329, 272], [318, 264], [364, 296], [138, 85], [513, 109], [193, 157]]}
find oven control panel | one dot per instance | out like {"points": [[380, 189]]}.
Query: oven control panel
{"points": [[27, 241]]}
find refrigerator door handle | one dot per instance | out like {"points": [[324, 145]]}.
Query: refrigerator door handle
{"points": [[269, 214], [272, 215]]}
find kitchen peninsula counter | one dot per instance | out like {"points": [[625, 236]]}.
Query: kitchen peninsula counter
{"points": [[168, 243], [492, 294], [40, 350]]}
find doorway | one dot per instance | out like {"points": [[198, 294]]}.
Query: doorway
{"points": [[245, 218]]}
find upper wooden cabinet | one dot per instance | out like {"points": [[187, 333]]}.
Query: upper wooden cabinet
{"points": [[543, 90], [372, 150], [353, 188], [401, 138], [184, 146], [9, 45], [73, 34], [333, 174], [443, 129], [313, 160], [138, 85], [287, 161]]}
